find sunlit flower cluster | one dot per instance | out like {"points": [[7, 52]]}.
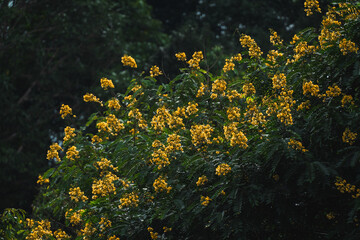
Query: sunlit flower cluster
{"points": [[218, 87], [77, 195], [106, 83], [136, 114], [192, 108], [104, 224], [279, 81], [87, 231], [349, 136], [128, 61], [53, 152], [233, 113], [235, 136], [304, 105], [347, 99], [311, 6], [153, 235], [114, 104], [112, 125], [254, 50], [69, 133], [202, 180], [65, 110], [201, 90], [201, 134], [129, 200], [104, 165], [296, 145], [89, 97], [60, 235], [155, 71], [195, 61], [345, 187], [42, 230], [72, 153], [41, 180], [272, 57], [229, 65], [160, 185], [181, 56], [222, 169], [275, 38], [205, 200], [248, 89], [74, 216], [347, 46], [334, 91], [310, 88], [300, 50], [104, 187]]}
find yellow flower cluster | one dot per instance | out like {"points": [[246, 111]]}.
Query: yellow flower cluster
{"points": [[192, 108], [103, 165], [96, 138], [60, 235], [334, 91], [153, 235], [74, 216], [104, 224], [284, 107], [218, 87], [201, 90], [160, 156], [275, 38], [69, 133], [254, 50], [222, 169], [330, 215], [114, 104], [272, 56], [233, 113], [349, 137], [296, 145], [160, 185], [65, 110], [348, 11], [279, 81], [42, 180], [112, 125], [310, 6], [167, 229], [347, 99], [53, 152], [201, 134], [248, 89], [181, 56], [235, 136], [106, 83], [173, 143], [72, 153], [309, 87], [76, 194], [129, 200], [202, 180], [304, 105], [104, 187], [254, 116], [300, 50], [345, 187], [205, 200], [347, 46], [136, 114], [232, 94], [295, 39], [161, 117], [237, 57], [329, 31], [89, 97], [155, 71], [229, 65], [41, 231], [87, 231], [113, 238], [195, 61], [128, 61]]}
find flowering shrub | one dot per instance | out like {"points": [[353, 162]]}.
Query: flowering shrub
{"points": [[257, 152]]}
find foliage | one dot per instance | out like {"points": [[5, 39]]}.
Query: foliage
{"points": [[266, 150]]}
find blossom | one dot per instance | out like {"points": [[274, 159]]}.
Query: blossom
{"points": [[128, 61], [106, 83], [155, 71], [222, 169], [181, 56], [65, 110]]}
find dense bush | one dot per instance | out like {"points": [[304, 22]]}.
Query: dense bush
{"points": [[267, 150]]}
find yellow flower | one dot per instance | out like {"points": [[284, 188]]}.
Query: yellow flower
{"points": [[310, 6], [275, 39], [195, 61], [72, 153], [347, 46], [105, 186], [202, 180], [65, 110], [181, 56], [76, 194], [160, 185], [89, 97], [201, 134], [155, 71], [254, 50], [222, 169], [229, 65], [114, 104], [333, 91], [349, 137], [69, 133], [128, 61], [42, 180], [205, 200], [347, 99], [309, 87], [106, 83], [129, 200], [53, 152], [296, 145]]}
